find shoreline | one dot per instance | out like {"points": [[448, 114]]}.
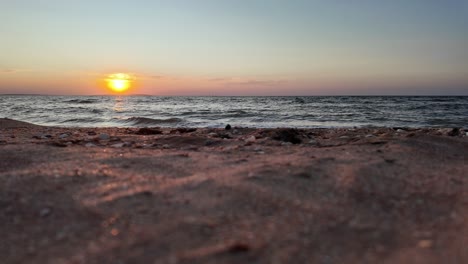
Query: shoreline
{"points": [[209, 195]]}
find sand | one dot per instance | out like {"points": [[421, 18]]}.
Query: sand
{"points": [[162, 195]]}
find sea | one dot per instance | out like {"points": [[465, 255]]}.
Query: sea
{"points": [[261, 112]]}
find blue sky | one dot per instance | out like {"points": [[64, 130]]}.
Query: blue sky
{"points": [[236, 47]]}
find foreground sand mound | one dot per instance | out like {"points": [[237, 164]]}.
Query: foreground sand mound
{"points": [[108, 195]]}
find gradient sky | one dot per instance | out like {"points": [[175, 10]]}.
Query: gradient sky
{"points": [[220, 47]]}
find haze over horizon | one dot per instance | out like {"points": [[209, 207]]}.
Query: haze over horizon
{"points": [[224, 47]]}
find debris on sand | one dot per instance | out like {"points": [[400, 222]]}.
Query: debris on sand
{"points": [[148, 131], [287, 135]]}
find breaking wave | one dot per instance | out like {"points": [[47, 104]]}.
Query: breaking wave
{"points": [[82, 101], [145, 121]]}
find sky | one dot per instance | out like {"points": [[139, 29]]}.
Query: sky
{"points": [[237, 47]]}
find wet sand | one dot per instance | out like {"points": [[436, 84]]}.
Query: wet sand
{"points": [[244, 195]]}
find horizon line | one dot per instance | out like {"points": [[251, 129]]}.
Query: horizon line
{"points": [[154, 95]]}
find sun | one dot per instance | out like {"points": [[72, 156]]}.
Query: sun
{"points": [[119, 82]]}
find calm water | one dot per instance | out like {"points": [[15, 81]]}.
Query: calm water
{"points": [[326, 111]]}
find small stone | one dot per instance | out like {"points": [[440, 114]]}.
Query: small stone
{"points": [[60, 236], [444, 131], [400, 130], [344, 137], [46, 211], [39, 136], [209, 143], [59, 144], [62, 136], [184, 130], [224, 136], [128, 144], [148, 131], [287, 135], [426, 243], [454, 132], [118, 145], [250, 139], [238, 248], [228, 127], [90, 145], [104, 136], [370, 136]]}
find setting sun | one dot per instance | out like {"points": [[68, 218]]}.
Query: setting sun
{"points": [[119, 82]]}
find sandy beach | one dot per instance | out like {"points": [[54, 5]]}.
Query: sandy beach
{"points": [[243, 195]]}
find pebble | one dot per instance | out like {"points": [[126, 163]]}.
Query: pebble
{"points": [[250, 139], [426, 243], [90, 145], [184, 130], [228, 127], [444, 131], [148, 131], [60, 236], [118, 145], [369, 136], [209, 143], [104, 136], [59, 144], [287, 135], [454, 132], [46, 211], [64, 136], [41, 136]]}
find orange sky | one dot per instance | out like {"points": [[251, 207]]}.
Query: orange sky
{"points": [[228, 48]]}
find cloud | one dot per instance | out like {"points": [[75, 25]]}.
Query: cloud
{"points": [[257, 83], [155, 76], [10, 71], [222, 79]]}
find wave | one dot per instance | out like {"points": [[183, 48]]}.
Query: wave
{"points": [[145, 121], [82, 120], [82, 101]]}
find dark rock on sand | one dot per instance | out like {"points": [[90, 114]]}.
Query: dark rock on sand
{"points": [[58, 144], [148, 131], [224, 135], [228, 127], [104, 136], [183, 130], [287, 135], [42, 136], [454, 132]]}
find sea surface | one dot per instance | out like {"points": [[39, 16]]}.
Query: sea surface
{"points": [[300, 112]]}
